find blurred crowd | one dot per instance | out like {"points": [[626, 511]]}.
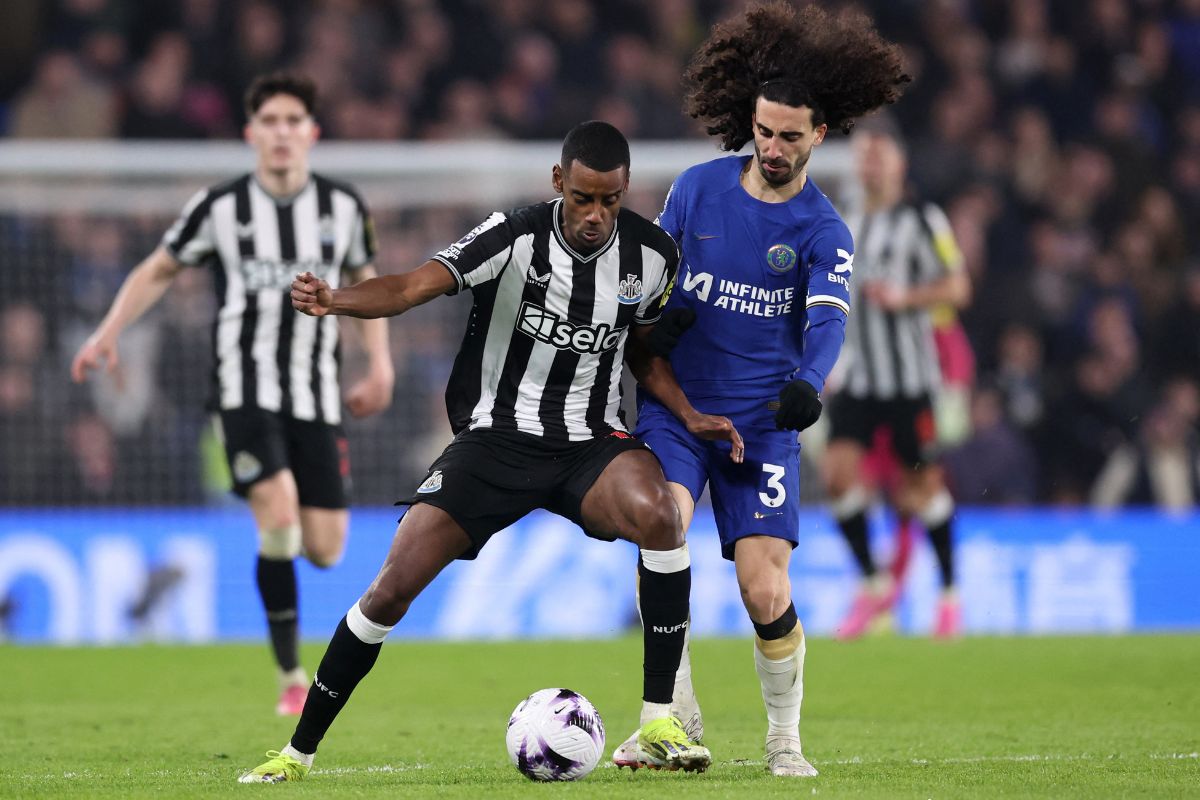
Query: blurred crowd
{"points": [[1062, 138], [390, 69]]}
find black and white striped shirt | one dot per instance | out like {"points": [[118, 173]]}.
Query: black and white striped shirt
{"points": [[267, 354], [891, 354], [544, 344]]}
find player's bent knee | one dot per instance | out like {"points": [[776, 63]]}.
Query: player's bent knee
{"points": [[387, 604], [656, 524], [324, 559], [766, 598]]}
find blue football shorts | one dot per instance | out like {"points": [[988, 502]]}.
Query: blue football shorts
{"points": [[759, 496]]}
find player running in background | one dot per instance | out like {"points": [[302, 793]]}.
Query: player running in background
{"points": [[907, 263], [766, 264], [534, 400], [276, 369]]}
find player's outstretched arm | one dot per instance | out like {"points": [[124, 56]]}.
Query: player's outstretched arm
{"points": [[373, 393], [656, 376], [385, 296], [142, 288]]}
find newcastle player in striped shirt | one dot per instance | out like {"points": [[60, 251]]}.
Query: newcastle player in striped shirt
{"points": [[276, 371], [908, 266], [560, 290]]}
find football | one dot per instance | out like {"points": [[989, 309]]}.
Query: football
{"points": [[555, 735]]}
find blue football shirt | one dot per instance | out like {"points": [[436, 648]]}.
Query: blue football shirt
{"points": [[769, 282]]}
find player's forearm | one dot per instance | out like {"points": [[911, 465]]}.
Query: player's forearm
{"points": [[372, 299], [374, 332], [954, 289], [142, 288], [657, 376], [822, 345]]}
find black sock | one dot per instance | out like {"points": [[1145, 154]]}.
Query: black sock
{"points": [[664, 626], [277, 585], [941, 539], [346, 662], [779, 628], [855, 530]]}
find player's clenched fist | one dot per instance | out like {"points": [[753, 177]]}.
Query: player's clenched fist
{"points": [[311, 295]]}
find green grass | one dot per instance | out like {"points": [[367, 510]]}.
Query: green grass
{"points": [[1075, 717]]}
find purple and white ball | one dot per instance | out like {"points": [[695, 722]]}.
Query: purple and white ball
{"points": [[555, 735]]}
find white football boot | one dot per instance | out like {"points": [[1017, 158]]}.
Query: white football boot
{"points": [[685, 708], [785, 760]]}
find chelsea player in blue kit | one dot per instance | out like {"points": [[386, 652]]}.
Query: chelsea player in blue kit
{"points": [[764, 279]]}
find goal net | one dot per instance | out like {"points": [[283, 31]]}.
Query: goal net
{"points": [[75, 217]]}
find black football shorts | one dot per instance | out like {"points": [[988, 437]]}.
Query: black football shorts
{"points": [[914, 433], [488, 479], [260, 443]]}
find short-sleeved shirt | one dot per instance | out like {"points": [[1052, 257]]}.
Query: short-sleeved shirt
{"points": [[545, 341], [892, 354], [267, 354]]}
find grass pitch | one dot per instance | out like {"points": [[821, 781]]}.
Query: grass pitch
{"points": [[1075, 717]]}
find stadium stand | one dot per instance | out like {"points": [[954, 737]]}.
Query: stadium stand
{"points": [[1063, 140]]}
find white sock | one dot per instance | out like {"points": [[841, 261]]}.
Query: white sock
{"points": [[653, 711], [782, 688], [304, 758], [295, 677], [683, 676], [366, 630]]}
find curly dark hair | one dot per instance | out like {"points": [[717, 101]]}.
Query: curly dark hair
{"points": [[836, 64]]}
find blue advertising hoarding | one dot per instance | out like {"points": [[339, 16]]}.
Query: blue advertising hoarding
{"points": [[75, 577]]}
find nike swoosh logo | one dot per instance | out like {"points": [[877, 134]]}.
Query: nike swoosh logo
{"points": [[714, 236], [760, 515]]}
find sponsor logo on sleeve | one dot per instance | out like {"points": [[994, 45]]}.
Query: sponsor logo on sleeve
{"points": [[847, 262]]}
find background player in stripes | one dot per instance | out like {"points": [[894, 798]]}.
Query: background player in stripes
{"points": [[907, 263], [766, 270], [534, 402], [276, 370]]}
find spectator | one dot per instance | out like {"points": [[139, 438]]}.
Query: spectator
{"points": [[30, 398], [259, 44], [997, 466], [527, 95], [1162, 467], [572, 24], [1177, 342], [1102, 409], [1019, 377], [466, 114], [156, 108], [62, 103], [632, 67]]}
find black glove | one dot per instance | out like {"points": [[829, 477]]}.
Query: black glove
{"points": [[673, 324], [799, 406]]}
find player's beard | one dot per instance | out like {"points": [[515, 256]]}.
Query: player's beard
{"points": [[801, 162]]}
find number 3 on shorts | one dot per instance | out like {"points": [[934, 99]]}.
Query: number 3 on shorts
{"points": [[780, 494]]}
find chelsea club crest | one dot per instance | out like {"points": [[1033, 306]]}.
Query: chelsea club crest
{"points": [[781, 258]]}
